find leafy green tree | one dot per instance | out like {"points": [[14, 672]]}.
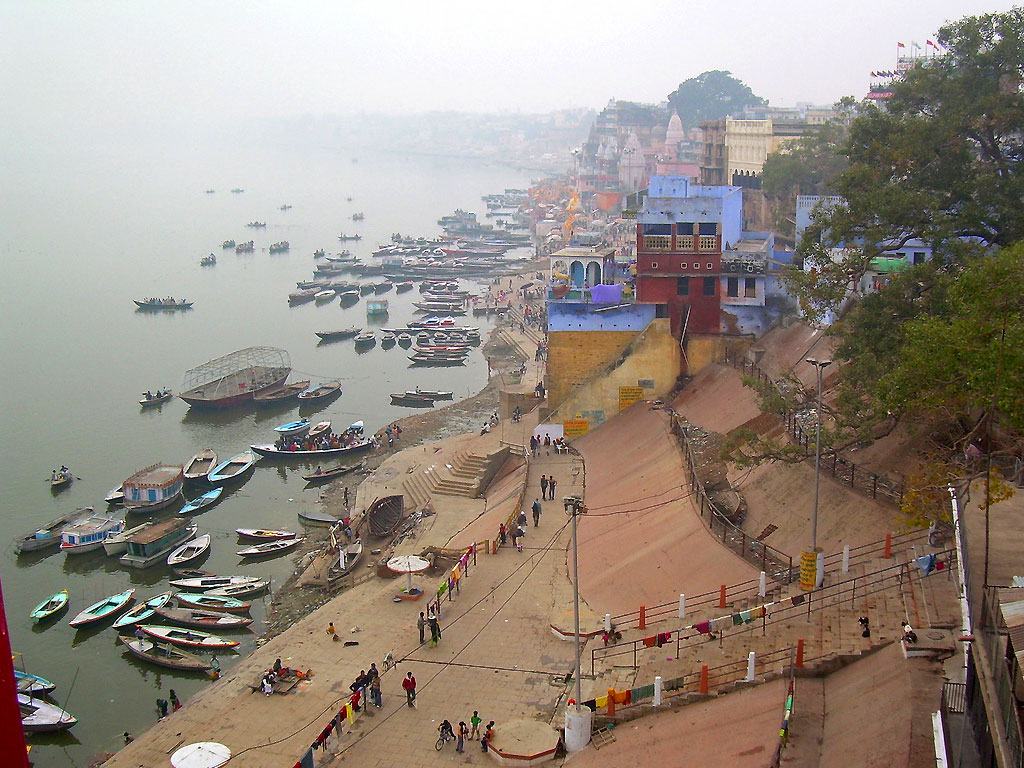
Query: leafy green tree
{"points": [[941, 161], [711, 96]]}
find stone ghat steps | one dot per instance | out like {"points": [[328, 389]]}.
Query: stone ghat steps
{"points": [[463, 476]]}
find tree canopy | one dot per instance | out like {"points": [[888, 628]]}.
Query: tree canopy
{"points": [[711, 96]]}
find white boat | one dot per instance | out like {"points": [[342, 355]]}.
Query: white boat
{"points": [[189, 551], [88, 533], [203, 583], [263, 534], [118, 543], [234, 468], [38, 715], [241, 590], [143, 611], [293, 428], [199, 466]]}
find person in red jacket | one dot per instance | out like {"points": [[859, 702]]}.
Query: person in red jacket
{"points": [[409, 683]]}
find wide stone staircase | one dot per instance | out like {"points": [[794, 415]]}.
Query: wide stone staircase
{"points": [[467, 474]]}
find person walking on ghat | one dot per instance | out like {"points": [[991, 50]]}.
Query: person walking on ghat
{"points": [[421, 625], [409, 684], [536, 512], [551, 487], [435, 631], [463, 733], [544, 486]]}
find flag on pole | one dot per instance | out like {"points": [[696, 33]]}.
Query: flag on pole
{"points": [[933, 45], [915, 45], [900, 45]]}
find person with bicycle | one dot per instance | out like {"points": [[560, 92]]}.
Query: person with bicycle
{"points": [[446, 734]]}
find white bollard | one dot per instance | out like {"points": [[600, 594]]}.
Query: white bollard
{"points": [[846, 559], [762, 585], [578, 725], [607, 622], [819, 576], [750, 667], [682, 606], [657, 691]]}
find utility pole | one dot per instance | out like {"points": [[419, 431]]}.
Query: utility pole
{"points": [[819, 366]]}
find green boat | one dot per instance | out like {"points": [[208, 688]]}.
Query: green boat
{"points": [[143, 611], [105, 608], [50, 607]]}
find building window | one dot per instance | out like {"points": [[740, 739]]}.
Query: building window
{"points": [[657, 242], [682, 286], [919, 257], [707, 242], [683, 266], [684, 242], [710, 266], [732, 287], [709, 286], [661, 310], [750, 287], [654, 265], [707, 228]]}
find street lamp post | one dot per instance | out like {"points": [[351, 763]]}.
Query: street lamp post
{"points": [[819, 366], [579, 718]]}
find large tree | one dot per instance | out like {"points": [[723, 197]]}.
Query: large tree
{"points": [[941, 161], [711, 96]]}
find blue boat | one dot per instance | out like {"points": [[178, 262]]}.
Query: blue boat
{"points": [[294, 428], [203, 501], [33, 684], [143, 611], [233, 469]]}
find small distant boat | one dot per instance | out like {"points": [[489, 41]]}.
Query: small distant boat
{"points": [[50, 534], [210, 191], [208, 261], [143, 611], [164, 654], [38, 716], [404, 340], [327, 474], [293, 428], [237, 191], [285, 207], [269, 548], [262, 534], [347, 558], [327, 294], [280, 394], [199, 466], [163, 304], [204, 583], [366, 339], [233, 469], [190, 551], [434, 393], [228, 244], [344, 237], [243, 590], [32, 684], [405, 285], [61, 478], [248, 247], [50, 607], [88, 533], [190, 638], [104, 609], [117, 544], [154, 398], [302, 296], [344, 333], [317, 518], [212, 602], [205, 500], [273, 452], [358, 216], [366, 289], [349, 297], [412, 399], [200, 619], [257, 224], [319, 253]]}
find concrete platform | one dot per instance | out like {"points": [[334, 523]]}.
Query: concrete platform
{"points": [[523, 742]]}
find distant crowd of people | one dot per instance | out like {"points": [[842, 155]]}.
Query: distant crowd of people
{"points": [[325, 442]]}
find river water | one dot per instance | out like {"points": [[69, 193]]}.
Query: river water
{"points": [[86, 230]]}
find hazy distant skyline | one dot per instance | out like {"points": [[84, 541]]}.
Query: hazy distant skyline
{"points": [[121, 63]]}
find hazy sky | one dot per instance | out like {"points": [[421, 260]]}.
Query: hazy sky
{"points": [[121, 62]]}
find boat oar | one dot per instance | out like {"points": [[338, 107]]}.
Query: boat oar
{"points": [[68, 697]]}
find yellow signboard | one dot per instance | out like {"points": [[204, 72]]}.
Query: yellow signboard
{"points": [[629, 395], [575, 428], [808, 570]]}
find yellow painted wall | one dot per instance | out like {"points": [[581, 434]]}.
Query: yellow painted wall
{"points": [[574, 356], [654, 357], [703, 350]]}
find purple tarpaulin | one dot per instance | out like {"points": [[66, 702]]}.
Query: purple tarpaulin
{"points": [[606, 294]]}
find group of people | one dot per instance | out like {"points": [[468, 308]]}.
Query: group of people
{"points": [[536, 443], [367, 685], [547, 486], [435, 628], [59, 474], [279, 672], [331, 440], [489, 424], [392, 432], [471, 731], [162, 392]]}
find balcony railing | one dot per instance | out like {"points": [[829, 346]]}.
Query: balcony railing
{"points": [[707, 243], [684, 242], [657, 242]]}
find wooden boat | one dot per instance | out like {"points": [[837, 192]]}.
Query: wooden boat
{"points": [[242, 590], [404, 340], [189, 638], [50, 534], [164, 654], [248, 247], [155, 398], [50, 607], [405, 285], [104, 609], [163, 304], [205, 500], [33, 685], [200, 619], [436, 360], [293, 428], [38, 716], [366, 339], [256, 224], [325, 295], [118, 543], [317, 518], [233, 469], [233, 379], [190, 550], [143, 611], [434, 393], [273, 452], [327, 474], [280, 247], [228, 244], [344, 237], [88, 533], [349, 297], [204, 583], [322, 392], [366, 289], [61, 479], [212, 602], [269, 548], [199, 466], [383, 287], [347, 558], [385, 514], [412, 400], [115, 495], [263, 534], [322, 428], [281, 394], [345, 333], [301, 297]]}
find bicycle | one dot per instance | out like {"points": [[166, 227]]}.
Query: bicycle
{"points": [[389, 662], [443, 739]]}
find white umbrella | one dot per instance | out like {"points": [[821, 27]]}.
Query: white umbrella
{"points": [[203, 754], [407, 564]]}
